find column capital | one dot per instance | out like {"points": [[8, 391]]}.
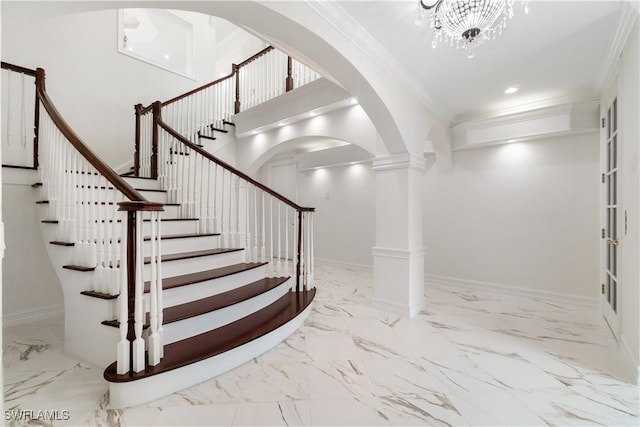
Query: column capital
{"points": [[399, 161]]}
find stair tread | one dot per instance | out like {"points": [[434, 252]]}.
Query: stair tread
{"points": [[182, 236], [225, 338], [201, 276], [193, 254], [215, 302]]}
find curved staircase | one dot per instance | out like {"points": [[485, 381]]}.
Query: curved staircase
{"points": [[171, 279]]}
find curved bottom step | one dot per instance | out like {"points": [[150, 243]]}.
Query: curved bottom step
{"points": [[205, 356]]}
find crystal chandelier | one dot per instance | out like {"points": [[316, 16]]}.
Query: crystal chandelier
{"points": [[467, 24]]}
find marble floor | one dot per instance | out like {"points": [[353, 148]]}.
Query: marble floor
{"points": [[470, 358]]}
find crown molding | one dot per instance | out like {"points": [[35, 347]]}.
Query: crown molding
{"points": [[564, 119], [343, 22], [627, 17], [399, 162]]}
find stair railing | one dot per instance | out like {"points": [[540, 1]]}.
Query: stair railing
{"points": [[203, 111], [245, 212], [103, 217], [20, 119]]}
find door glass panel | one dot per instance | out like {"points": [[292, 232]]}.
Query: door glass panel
{"points": [[614, 152]]}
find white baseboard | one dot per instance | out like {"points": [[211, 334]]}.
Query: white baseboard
{"points": [[511, 290], [351, 265], [633, 364], [33, 315]]}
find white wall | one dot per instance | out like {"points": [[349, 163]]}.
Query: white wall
{"points": [[94, 86], [344, 198], [30, 287], [523, 215]]}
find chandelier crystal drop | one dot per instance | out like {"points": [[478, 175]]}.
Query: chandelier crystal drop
{"points": [[467, 24]]}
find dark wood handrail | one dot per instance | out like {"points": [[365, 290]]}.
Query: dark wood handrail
{"points": [[234, 70], [18, 69], [230, 168], [256, 56], [115, 179]]}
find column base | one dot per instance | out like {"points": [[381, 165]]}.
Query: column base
{"points": [[398, 280]]}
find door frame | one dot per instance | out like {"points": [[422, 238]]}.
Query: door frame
{"points": [[612, 317]]}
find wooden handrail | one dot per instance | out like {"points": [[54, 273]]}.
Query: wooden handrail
{"points": [[230, 168], [191, 92], [256, 56], [234, 70], [115, 179], [18, 69]]}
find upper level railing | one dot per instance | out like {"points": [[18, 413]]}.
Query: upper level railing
{"points": [[245, 212], [20, 118], [198, 113], [101, 217]]}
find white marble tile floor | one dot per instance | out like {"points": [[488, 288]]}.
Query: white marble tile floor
{"points": [[471, 358]]}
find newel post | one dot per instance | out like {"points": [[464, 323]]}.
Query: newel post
{"points": [[236, 104], [131, 348], [157, 106], [136, 155], [289, 79]]}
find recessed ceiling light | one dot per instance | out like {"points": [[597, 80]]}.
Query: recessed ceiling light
{"points": [[166, 56], [312, 114], [511, 140], [353, 101], [255, 132], [510, 90]]}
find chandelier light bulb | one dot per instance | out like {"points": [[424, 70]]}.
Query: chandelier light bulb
{"points": [[467, 23]]}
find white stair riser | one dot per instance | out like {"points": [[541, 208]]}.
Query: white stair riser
{"points": [[154, 196], [184, 244], [135, 393], [172, 227], [142, 183], [196, 291], [183, 329], [193, 265], [107, 211]]}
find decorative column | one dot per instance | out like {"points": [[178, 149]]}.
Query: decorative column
{"points": [[398, 256]]}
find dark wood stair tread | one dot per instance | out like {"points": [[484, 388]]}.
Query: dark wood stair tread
{"points": [[225, 338], [100, 295], [78, 268], [193, 254], [182, 236], [201, 276], [215, 302]]}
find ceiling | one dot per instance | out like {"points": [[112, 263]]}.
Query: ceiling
{"points": [[553, 54]]}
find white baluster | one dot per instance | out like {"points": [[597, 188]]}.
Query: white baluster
{"points": [[123, 360], [138, 343], [254, 252], [286, 241], [154, 343], [160, 292], [263, 250], [279, 268], [273, 269]]}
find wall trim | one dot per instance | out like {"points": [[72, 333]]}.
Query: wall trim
{"points": [[633, 365], [33, 315], [628, 14], [399, 162], [405, 254], [401, 309], [431, 279]]}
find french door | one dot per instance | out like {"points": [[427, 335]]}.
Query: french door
{"points": [[611, 231]]}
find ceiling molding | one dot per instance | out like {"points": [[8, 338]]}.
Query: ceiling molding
{"points": [[627, 17], [344, 23], [565, 119]]}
